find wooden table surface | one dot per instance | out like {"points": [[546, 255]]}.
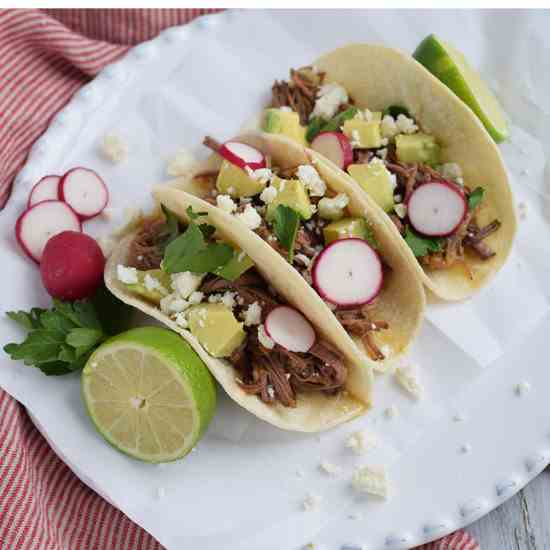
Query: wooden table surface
{"points": [[522, 523]]}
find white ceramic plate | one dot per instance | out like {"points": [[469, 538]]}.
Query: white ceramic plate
{"points": [[244, 485]]}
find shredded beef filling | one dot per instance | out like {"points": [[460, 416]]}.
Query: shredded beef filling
{"points": [[468, 235], [276, 375], [146, 250]]}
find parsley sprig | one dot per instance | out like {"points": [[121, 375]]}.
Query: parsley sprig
{"points": [[422, 246], [60, 339], [286, 222], [318, 124]]}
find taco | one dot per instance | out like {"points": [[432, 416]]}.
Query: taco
{"points": [[334, 248], [192, 267], [418, 153]]}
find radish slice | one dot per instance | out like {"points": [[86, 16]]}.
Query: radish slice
{"points": [[84, 191], [40, 222], [47, 189], [290, 329], [348, 273], [335, 146], [242, 155], [437, 208]]}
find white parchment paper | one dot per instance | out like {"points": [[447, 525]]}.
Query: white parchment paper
{"points": [[243, 486]]}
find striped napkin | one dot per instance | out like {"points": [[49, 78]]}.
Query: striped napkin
{"points": [[46, 56]]}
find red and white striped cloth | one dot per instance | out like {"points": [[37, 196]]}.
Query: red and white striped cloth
{"points": [[46, 55]]}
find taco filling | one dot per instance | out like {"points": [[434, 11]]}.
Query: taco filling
{"points": [[394, 161], [214, 291], [309, 225]]}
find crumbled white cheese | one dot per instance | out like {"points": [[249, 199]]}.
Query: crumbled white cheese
{"points": [[173, 304], [152, 283], [250, 217], [397, 198], [391, 412], [264, 339], [262, 175], [329, 99], [450, 170], [226, 203], [393, 181], [365, 115], [311, 502], [181, 320], [406, 125], [127, 275], [355, 139], [312, 181], [186, 283], [268, 195], [382, 153], [181, 164], [270, 391], [370, 479], [196, 297], [400, 210], [303, 259], [465, 448], [228, 299], [253, 315], [376, 161], [388, 128], [361, 442], [407, 378], [330, 469], [329, 208], [114, 148], [522, 388], [285, 109]]}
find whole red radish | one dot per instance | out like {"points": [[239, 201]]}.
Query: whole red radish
{"points": [[72, 266]]}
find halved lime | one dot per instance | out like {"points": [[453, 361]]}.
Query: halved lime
{"points": [[149, 394], [451, 67]]}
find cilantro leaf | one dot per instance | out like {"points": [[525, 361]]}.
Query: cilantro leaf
{"points": [[396, 110], [476, 196], [186, 245], [194, 215], [285, 224], [314, 128], [207, 230], [172, 224], [335, 122], [421, 246], [60, 339]]}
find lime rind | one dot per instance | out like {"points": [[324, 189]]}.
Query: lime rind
{"points": [[451, 67]]}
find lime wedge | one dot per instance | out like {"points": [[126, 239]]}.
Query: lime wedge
{"points": [[148, 394], [451, 67]]}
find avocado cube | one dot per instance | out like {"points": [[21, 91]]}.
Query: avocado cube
{"points": [[152, 285], [375, 179], [287, 123], [216, 328], [234, 181], [236, 266], [291, 193], [417, 148], [368, 132], [345, 229]]}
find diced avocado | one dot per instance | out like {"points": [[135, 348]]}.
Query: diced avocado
{"points": [[236, 266], [234, 181], [158, 285], [278, 121], [417, 148], [367, 132], [376, 181], [344, 229], [291, 193], [216, 328]]}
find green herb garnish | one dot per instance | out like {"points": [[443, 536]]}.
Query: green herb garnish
{"points": [[396, 110], [286, 222], [314, 128], [191, 251], [60, 340], [421, 246], [475, 197], [318, 125]]}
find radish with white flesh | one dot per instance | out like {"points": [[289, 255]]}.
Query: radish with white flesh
{"points": [[242, 155], [84, 191], [437, 208], [335, 146], [348, 273], [47, 189], [290, 329], [42, 221]]}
